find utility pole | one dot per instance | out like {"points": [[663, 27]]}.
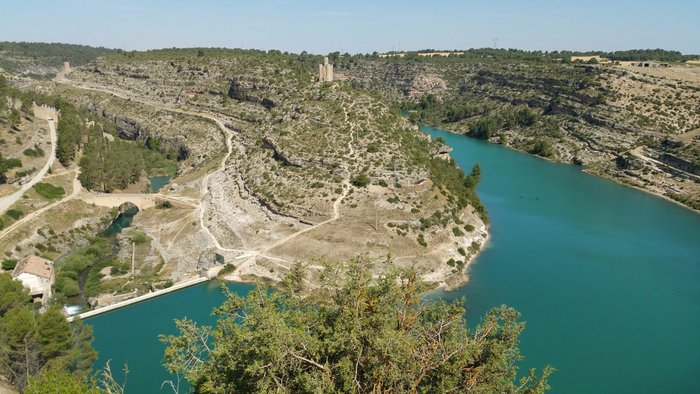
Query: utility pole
{"points": [[133, 260]]}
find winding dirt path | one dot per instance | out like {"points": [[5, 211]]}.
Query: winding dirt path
{"points": [[77, 187], [248, 256], [336, 203], [7, 201]]}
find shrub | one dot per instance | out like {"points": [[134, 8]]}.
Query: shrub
{"points": [[469, 228], [139, 238], [228, 268], [49, 191], [360, 180], [14, 213], [165, 205], [421, 240], [457, 232], [542, 148], [9, 264], [33, 152]]}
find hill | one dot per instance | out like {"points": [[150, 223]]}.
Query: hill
{"points": [[636, 125]]}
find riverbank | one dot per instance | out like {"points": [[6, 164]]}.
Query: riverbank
{"points": [[447, 280], [610, 177], [131, 301], [549, 245]]}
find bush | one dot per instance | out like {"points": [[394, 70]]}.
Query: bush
{"points": [[9, 264], [360, 180], [49, 191], [372, 148], [457, 232], [483, 128], [36, 152], [11, 163], [67, 286], [165, 205], [139, 238], [469, 228], [14, 213], [542, 148], [425, 348], [119, 269], [421, 240], [228, 268]]}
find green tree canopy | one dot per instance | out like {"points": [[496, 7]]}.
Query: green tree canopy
{"points": [[12, 293], [363, 336], [33, 342]]}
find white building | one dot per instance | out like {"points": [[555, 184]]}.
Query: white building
{"points": [[37, 275]]}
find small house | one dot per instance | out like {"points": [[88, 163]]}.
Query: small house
{"points": [[37, 275]]}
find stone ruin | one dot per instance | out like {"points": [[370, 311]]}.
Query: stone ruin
{"points": [[45, 112], [325, 71]]}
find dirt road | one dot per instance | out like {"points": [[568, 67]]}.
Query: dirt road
{"points": [[7, 201]]}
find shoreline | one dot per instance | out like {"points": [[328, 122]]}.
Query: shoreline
{"points": [[121, 304], [464, 273], [583, 169], [653, 193]]}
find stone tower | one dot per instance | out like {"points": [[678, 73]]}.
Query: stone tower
{"points": [[66, 67], [325, 71]]}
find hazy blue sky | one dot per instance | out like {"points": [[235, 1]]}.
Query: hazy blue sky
{"points": [[357, 25]]}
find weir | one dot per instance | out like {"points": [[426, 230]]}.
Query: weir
{"points": [[131, 301], [205, 276]]}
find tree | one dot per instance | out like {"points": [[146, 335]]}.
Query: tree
{"points": [[12, 293], [360, 180], [474, 177], [60, 381], [15, 118], [542, 148], [19, 346], [365, 336], [54, 334], [483, 128], [31, 342]]}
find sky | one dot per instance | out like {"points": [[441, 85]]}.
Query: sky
{"points": [[357, 26]]}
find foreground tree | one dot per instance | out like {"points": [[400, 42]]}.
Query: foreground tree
{"points": [[33, 343], [362, 336]]}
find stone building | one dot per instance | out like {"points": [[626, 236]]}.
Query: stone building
{"points": [[37, 275], [325, 71]]}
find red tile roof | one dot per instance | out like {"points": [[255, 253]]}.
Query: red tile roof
{"points": [[34, 265]]}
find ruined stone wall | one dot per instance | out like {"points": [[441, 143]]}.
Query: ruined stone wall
{"points": [[45, 112]]}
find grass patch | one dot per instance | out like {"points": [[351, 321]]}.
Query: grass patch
{"points": [[49, 191]]}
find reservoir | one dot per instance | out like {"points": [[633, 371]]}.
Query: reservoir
{"points": [[157, 182], [606, 277]]}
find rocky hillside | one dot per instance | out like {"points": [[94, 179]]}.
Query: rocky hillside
{"points": [[315, 171], [639, 127]]}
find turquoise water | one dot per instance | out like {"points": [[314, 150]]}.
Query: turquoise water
{"points": [[122, 221], [607, 278], [130, 335], [157, 182]]}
